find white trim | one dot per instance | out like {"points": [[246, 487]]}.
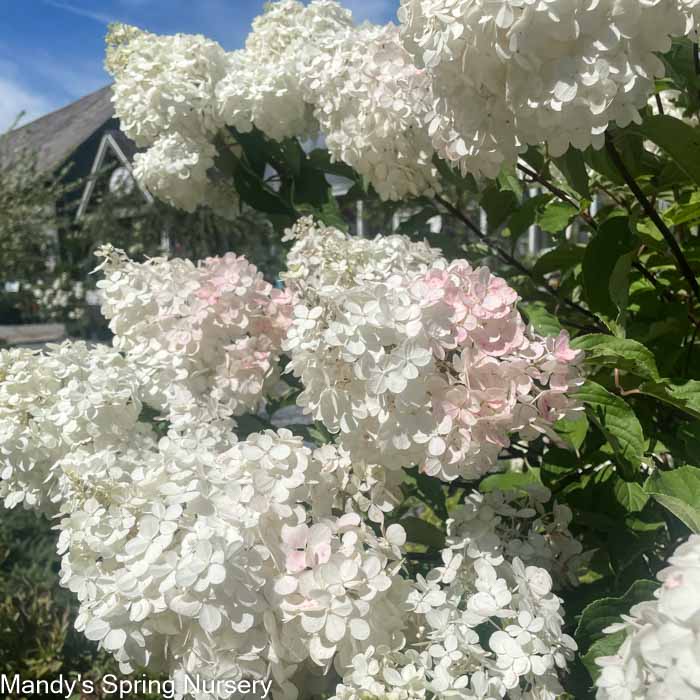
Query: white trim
{"points": [[107, 141]]}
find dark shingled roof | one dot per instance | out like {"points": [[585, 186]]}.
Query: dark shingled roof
{"points": [[56, 136]]}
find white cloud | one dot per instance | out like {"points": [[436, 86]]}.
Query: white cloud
{"points": [[15, 98], [82, 11], [379, 11]]}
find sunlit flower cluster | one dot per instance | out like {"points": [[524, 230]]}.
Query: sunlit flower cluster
{"points": [[52, 404], [658, 657], [164, 96], [263, 86], [371, 101], [506, 74], [205, 557], [433, 367], [474, 81], [206, 336], [487, 622], [324, 260]]}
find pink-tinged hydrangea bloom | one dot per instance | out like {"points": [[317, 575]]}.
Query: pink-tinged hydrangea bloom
{"points": [[413, 360], [211, 332], [199, 555]]}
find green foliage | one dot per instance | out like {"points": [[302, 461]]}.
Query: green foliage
{"points": [[592, 641], [678, 490]]}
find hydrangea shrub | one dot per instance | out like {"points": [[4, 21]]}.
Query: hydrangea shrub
{"points": [[494, 490]]}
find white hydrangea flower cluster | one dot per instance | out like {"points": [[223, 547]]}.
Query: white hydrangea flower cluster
{"points": [[487, 622], [164, 95], [263, 86], [474, 81], [164, 84], [73, 397], [507, 73], [206, 558], [431, 366], [659, 656], [205, 337], [370, 101], [323, 258], [303, 68]]}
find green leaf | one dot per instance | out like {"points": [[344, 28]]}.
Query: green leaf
{"points": [[498, 205], [562, 258], [525, 216], [510, 481], [543, 321], [556, 216], [684, 396], [687, 213], [607, 645], [606, 611], [605, 282], [630, 495], [619, 353], [679, 140], [573, 167], [573, 431], [321, 160], [678, 491], [508, 180], [421, 532], [618, 422]]}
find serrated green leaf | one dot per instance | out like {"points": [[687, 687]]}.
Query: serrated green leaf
{"points": [[543, 321], [556, 216], [630, 495], [606, 611], [619, 353], [679, 140], [510, 481], [508, 180], [562, 258], [605, 646], [684, 396], [573, 431], [678, 491], [618, 422]]}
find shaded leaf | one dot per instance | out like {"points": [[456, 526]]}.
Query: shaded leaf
{"points": [[620, 353], [556, 216], [678, 491], [618, 422], [679, 140], [603, 283], [421, 532]]}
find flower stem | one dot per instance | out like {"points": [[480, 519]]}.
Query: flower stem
{"points": [[651, 212]]}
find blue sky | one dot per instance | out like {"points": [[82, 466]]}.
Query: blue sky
{"points": [[51, 51]]}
